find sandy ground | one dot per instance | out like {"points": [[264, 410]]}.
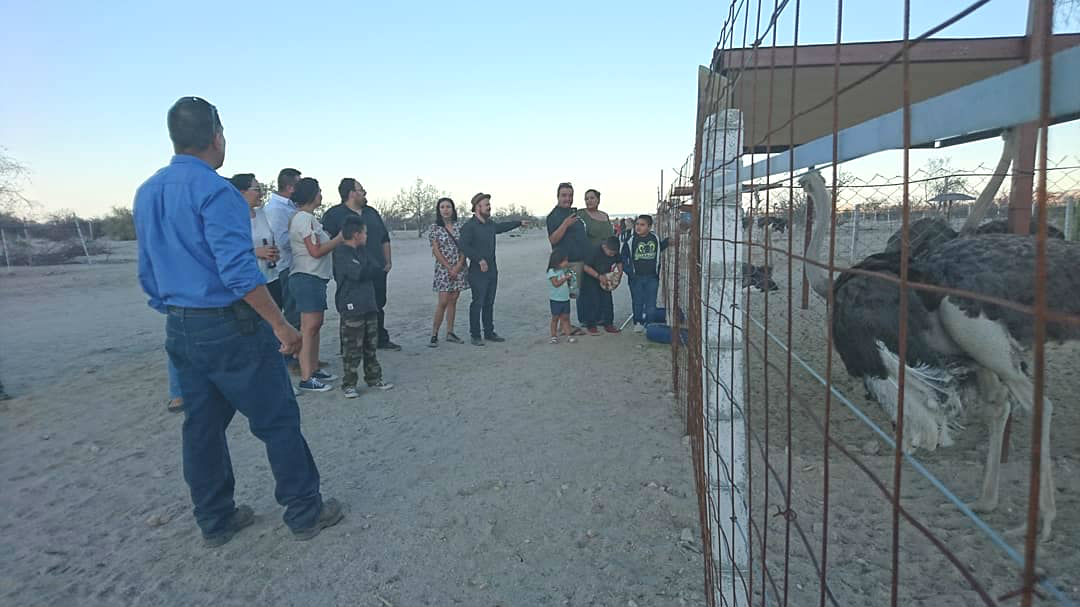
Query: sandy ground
{"points": [[859, 516], [520, 473]]}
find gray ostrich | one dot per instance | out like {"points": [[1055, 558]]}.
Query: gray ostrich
{"points": [[959, 350]]}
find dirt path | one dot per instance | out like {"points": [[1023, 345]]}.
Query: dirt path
{"points": [[523, 473]]}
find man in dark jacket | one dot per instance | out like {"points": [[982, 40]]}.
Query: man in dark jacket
{"points": [[355, 272], [478, 244], [354, 203]]}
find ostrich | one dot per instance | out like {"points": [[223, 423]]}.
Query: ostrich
{"points": [[958, 349]]}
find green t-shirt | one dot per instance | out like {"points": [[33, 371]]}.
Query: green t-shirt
{"points": [[561, 292]]}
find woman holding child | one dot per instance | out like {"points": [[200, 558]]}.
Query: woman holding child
{"points": [[311, 269], [451, 275]]}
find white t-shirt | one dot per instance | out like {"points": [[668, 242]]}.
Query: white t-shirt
{"points": [[304, 224], [260, 231]]}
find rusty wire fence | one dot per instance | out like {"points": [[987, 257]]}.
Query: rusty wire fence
{"points": [[841, 432]]}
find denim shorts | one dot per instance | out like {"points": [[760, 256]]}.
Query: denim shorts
{"points": [[558, 308], [308, 292]]}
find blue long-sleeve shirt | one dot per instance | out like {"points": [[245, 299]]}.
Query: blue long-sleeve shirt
{"points": [[194, 238]]}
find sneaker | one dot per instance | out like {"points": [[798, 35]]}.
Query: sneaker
{"points": [[313, 385], [454, 339], [434, 343], [389, 345], [571, 340], [323, 376], [351, 392], [242, 517], [381, 385], [494, 337], [593, 331], [612, 329], [476, 341], [554, 340], [330, 515], [638, 328]]}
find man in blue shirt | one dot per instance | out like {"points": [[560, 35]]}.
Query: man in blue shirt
{"points": [[223, 331]]}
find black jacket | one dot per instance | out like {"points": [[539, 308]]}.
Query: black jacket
{"points": [[354, 270], [478, 240]]}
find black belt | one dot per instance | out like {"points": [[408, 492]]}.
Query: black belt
{"points": [[182, 311]]}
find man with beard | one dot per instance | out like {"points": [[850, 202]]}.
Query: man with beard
{"points": [[478, 245], [354, 202], [566, 232]]}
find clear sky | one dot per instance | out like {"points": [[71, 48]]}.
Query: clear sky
{"points": [[501, 97]]}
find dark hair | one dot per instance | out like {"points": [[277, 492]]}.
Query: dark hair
{"points": [[193, 124], [438, 216], [352, 226], [565, 184], [346, 187], [611, 243], [242, 181], [306, 190], [647, 218], [286, 178], [597, 192], [557, 257]]}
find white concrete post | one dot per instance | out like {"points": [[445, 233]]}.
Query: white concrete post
{"points": [[1071, 220], [722, 346]]}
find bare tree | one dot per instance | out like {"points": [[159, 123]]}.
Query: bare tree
{"points": [[13, 177], [416, 205], [943, 181]]}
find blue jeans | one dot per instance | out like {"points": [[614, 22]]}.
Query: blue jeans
{"points": [[174, 381], [643, 297], [222, 371]]}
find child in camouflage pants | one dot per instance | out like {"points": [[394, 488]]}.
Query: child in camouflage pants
{"points": [[355, 302]]}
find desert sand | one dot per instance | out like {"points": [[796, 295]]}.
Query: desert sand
{"points": [[522, 473]]}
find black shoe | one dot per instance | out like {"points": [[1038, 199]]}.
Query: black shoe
{"points": [[454, 339], [494, 337], [434, 343], [389, 345], [476, 341], [330, 515], [242, 517]]}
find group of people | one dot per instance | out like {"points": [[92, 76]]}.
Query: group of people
{"points": [[244, 291], [588, 262]]}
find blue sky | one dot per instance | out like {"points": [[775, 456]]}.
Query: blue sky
{"points": [[507, 98]]}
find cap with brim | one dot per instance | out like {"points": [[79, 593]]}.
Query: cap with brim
{"points": [[477, 198]]}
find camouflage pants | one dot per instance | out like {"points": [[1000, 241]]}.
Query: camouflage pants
{"points": [[359, 338]]}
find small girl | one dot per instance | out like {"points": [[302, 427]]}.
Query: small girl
{"points": [[560, 275]]}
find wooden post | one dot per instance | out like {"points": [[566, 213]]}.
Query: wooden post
{"points": [[86, 251], [7, 258]]}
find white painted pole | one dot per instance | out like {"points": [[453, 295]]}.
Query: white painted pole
{"points": [[722, 341], [854, 231], [7, 258], [1070, 220], [86, 251]]}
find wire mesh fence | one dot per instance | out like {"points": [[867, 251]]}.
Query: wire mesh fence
{"points": [[855, 347]]}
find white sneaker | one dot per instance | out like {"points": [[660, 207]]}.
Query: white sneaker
{"points": [[639, 329], [351, 392], [381, 385]]}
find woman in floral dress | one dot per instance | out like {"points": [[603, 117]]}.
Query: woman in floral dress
{"points": [[450, 272]]}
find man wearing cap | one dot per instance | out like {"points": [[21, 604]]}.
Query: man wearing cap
{"points": [[478, 245], [223, 331]]}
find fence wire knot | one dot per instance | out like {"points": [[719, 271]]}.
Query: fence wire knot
{"points": [[788, 514]]}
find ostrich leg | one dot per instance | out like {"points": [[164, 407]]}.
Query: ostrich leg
{"points": [[995, 394]]}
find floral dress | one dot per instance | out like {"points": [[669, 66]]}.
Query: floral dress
{"points": [[449, 249]]}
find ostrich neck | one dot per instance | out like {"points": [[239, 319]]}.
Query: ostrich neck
{"points": [[986, 198], [818, 276]]}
